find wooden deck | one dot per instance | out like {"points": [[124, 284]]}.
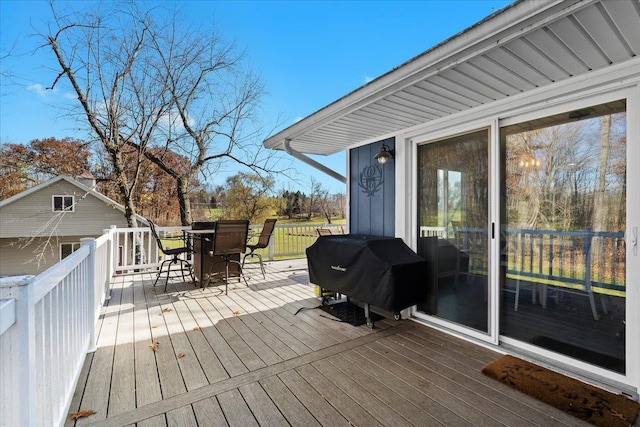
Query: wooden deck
{"points": [[247, 359]]}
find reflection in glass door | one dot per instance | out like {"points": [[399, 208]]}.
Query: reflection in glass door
{"points": [[562, 236], [452, 233]]}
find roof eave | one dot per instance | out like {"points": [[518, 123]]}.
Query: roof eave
{"points": [[506, 23]]}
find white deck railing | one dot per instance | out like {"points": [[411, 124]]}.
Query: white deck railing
{"points": [[134, 249], [47, 325]]}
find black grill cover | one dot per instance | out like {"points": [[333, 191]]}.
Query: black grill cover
{"points": [[381, 271]]}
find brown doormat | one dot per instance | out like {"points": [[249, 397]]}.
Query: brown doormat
{"points": [[592, 404]]}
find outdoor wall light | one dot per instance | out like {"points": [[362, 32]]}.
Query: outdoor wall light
{"points": [[383, 155]]}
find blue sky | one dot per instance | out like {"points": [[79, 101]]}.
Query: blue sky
{"points": [[308, 53]]}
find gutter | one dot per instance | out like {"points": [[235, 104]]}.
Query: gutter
{"points": [[322, 168]]}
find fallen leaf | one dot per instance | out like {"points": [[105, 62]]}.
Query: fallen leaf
{"points": [[166, 310], [197, 328], [237, 313], [181, 355], [154, 346], [81, 414]]}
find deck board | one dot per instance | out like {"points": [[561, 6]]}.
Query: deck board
{"points": [[444, 372], [464, 387], [122, 392], [263, 408], [313, 402], [365, 397], [236, 410], [447, 396], [418, 406], [182, 417], [146, 371], [354, 413], [98, 381], [288, 403], [208, 412], [252, 357], [278, 330]]}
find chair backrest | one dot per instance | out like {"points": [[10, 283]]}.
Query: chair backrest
{"points": [[324, 232], [266, 233], [230, 237], [154, 232]]}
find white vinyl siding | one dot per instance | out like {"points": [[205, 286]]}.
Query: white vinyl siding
{"points": [[32, 215], [21, 256]]}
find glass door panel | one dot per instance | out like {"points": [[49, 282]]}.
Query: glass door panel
{"points": [[452, 233], [562, 235]]}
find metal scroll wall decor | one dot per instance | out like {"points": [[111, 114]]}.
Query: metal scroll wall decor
{"points": [[371, 179]]}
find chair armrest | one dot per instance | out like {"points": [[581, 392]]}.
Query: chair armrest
{"points": [[252, 236]]}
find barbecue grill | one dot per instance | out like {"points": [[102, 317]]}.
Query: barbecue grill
{"points": [[379, 271]]}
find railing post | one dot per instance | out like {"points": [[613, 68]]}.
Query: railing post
{"points": [[272, 247], [111, 251], [24, 357], [586, 250], [92, 297]]}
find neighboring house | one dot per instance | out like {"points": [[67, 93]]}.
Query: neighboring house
{"points": [[45, 223], [513, 148]]}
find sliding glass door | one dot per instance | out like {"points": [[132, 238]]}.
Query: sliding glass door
{"points": [[563, 216], [453, 202]]}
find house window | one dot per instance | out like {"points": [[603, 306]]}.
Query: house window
{"points": [[67, 249], [63, 203]]}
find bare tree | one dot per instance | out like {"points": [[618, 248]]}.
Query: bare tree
{"points": [[324, 202], [600, 205], [102, 55], [160, 87], [339, 203], [212, 102], [313, 201]]}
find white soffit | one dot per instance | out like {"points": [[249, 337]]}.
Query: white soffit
{"points": [[527, 45]]}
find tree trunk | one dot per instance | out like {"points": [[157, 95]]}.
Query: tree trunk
{"points": [[600, 205], [184, 202], [123, 187]]}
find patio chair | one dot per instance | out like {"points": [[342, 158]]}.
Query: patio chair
{"points": [[229, 241], [324, 232], [174, 253], [263, 242]]}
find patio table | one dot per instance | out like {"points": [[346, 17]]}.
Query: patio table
{"points": [[210, 264]]}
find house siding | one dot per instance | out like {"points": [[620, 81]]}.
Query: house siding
{"points": [[372, 197], [23, 256], [31, 232], [32, 215]]}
